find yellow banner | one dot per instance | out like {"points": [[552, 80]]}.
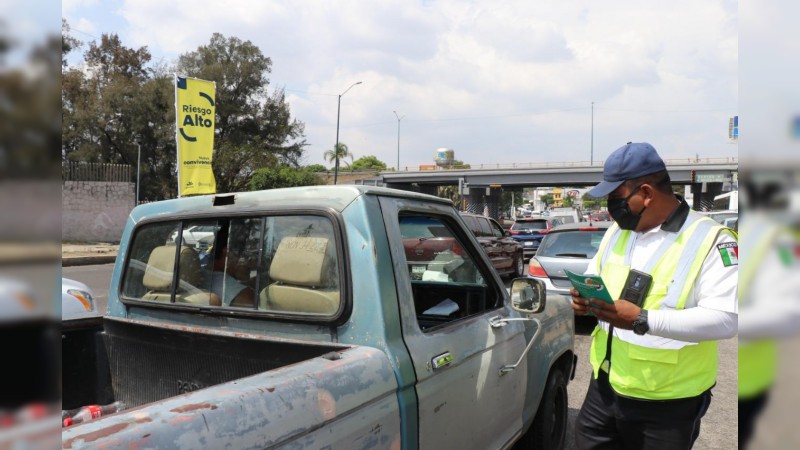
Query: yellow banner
{"points": [[194, 106]]}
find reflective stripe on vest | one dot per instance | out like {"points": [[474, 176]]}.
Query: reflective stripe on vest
{"points": [[653, 367], [758, 360]]}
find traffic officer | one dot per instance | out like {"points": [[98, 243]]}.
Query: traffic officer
{"points": [[655, 361], [770, 308]]}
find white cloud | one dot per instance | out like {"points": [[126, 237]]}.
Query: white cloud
{"points": [[445, 64]]}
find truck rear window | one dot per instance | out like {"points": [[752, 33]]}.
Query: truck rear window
{"points": [[282, 264]]}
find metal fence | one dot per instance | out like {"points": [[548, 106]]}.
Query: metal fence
{"points": [[83, 171]]}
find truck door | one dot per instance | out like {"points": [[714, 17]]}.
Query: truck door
{"points": [[446, 305]]}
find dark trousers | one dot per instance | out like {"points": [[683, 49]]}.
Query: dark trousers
{"points": [[749, 410], [610, 421]]}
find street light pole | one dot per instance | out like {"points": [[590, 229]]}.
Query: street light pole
{"points": [[398, 138], [336, 148], [138, 166]]}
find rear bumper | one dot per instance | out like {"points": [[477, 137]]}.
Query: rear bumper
{"points": [[529, 247]]}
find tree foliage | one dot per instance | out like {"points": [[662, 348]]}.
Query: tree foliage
{"points": [[341, 151], [281, 177], [120, 99], [31, 124], [368, 163], [316, 168]]}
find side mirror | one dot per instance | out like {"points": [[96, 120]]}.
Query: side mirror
{"points": [[507, 233], [527, 295]]}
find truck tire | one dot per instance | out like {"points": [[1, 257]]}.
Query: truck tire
{"points": [[519, 266], [549, 428]]}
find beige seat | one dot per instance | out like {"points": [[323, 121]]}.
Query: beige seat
{"points": [[159, 274], [305, 275]]}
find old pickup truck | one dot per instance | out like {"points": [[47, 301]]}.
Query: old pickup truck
{"points": [[303, 324]]}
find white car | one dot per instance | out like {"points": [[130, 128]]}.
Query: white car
{"points": [[77, 301], [194, 234]]}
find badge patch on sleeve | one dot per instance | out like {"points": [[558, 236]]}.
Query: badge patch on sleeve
{"points": [[729, 252], [789, 254]]}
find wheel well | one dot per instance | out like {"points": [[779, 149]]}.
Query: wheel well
{"points": [[564, 363]]}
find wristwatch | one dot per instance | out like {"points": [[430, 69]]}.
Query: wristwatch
{"points": [[640, 325]]}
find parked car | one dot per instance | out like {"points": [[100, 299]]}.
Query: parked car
{"points": [[566, 247], [429, 247], [724, 217], [77, 300], [195, 235], [599, 216], [529, 232], [505, 252]]}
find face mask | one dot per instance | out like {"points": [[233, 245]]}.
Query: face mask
{"points": [[621, 212]]}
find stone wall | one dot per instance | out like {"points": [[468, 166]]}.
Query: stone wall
{"points": [[95, 211]]}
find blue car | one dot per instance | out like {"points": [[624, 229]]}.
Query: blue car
{"points": [[529, 232]]}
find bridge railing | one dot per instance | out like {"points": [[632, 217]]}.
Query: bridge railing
{"points": [[557, 165]]}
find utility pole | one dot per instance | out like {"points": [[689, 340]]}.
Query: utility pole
{"points": [[591, 148]]}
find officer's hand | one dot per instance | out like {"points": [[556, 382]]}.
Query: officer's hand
{"points": [[579, 304], [621, 314]]}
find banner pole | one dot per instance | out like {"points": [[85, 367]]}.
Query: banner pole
{"points": [[177, 143]]}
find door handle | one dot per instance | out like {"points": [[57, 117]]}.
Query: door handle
{"points": [[509, 367], [440, 361]]}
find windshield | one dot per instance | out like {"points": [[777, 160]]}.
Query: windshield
{"points": [[576, 244], [529, 225]]}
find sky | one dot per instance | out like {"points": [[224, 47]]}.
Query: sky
{"points": [[498, 82]]}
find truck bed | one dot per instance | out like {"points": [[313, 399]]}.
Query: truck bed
{"points": [[139, 363]]}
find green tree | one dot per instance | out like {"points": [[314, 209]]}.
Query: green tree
{"points": [[281, 177], [316, 168], [117, 102], [449, 192], [254, 128], [342, 152], [100, 105], [30, 126], [68, 42], [368, 163], [547, 199], [567, 201]]}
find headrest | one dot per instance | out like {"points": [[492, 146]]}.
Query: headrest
{"points": [[301, 261], [161, 264]]}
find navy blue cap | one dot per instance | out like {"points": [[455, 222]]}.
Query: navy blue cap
{"points": [[632, 160]]}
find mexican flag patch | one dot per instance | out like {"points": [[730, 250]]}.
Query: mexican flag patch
{"points": [[789, 254], [729, 252]]}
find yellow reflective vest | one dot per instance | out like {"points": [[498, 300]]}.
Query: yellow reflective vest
{"points": [[652, 367], [758, 360]]}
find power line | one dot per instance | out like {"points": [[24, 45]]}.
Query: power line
{"points": [[667, 110]]}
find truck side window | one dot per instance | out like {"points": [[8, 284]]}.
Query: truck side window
{"points": [[446, 283]]}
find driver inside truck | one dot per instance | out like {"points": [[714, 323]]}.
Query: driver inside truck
{"points": [[226, 289]]}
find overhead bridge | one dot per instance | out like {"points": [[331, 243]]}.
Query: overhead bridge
{"points": [[481, 186], [577, 174]]}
